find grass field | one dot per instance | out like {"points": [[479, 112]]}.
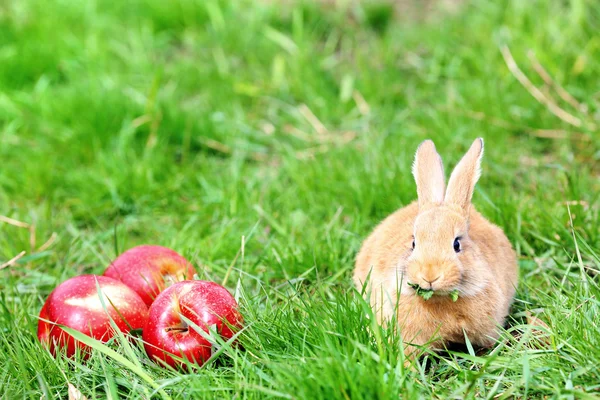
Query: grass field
{"points": [[264, 141]]}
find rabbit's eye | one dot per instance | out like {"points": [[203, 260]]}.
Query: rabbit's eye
{"points": [[413, 244], [457, 245]]}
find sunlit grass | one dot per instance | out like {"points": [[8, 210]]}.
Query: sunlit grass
{"points": [[264, 142]]}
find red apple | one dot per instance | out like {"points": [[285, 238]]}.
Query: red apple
{"points": [[76, 303], [149, 270], [201, 302]]}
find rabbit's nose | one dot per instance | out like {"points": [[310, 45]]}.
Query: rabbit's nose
{"points": [[429, 281]]}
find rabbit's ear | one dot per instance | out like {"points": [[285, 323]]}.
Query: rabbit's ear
{"points": [[464, 177], [428, 171]]}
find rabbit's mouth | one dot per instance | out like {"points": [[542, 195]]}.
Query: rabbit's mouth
{"points": [[427, 294]]}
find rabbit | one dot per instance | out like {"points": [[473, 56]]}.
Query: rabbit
{"points": [[440, 243]]}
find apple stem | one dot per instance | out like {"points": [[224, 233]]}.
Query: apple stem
{"points": [[176, 329], [169, 279], [182, 327]]}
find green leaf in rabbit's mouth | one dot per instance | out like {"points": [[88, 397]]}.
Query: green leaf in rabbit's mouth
{"points": [[454, 295], [427, 293], [424, 293]]}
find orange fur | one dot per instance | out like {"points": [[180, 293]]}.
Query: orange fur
{"points": [[485, 271]]}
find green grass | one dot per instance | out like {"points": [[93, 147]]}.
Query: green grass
{"points": [[190, 124]]}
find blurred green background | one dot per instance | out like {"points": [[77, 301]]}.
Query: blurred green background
{"points": [[267, 139]]}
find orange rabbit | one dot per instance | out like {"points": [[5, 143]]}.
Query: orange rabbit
{"points": [[441, 244]]}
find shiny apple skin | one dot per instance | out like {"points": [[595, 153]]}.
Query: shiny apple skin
{"points": [[75, 303], [149, 269], [202, 302]]}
